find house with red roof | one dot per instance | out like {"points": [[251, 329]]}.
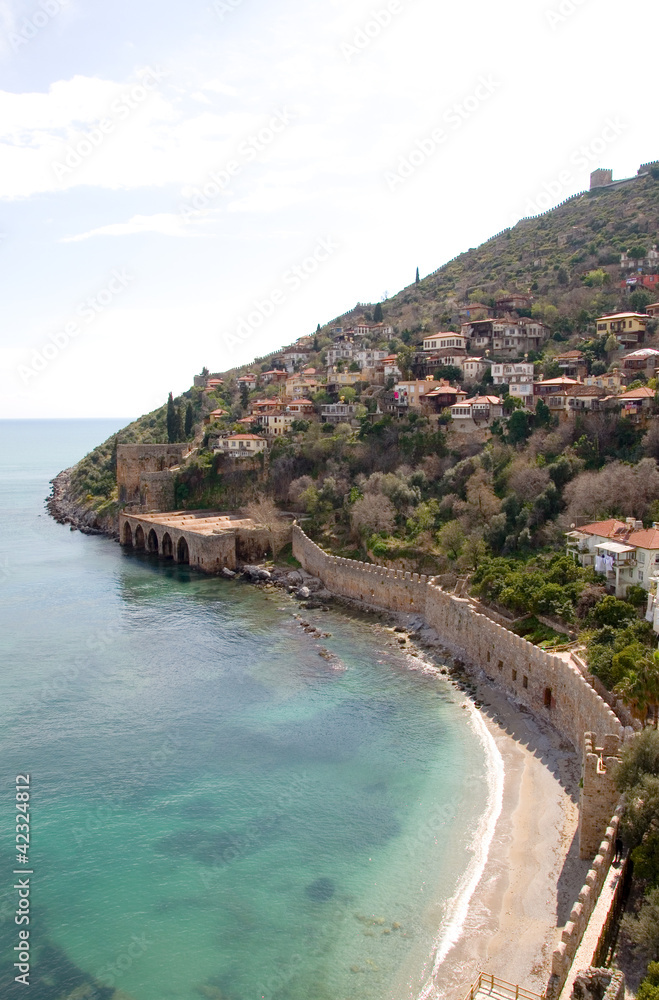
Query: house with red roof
{"points": [[241, 445], [624, 552]]}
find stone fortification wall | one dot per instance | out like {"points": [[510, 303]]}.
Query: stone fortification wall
{"points": [[582, 910], [376, 585], [599, 795], [136, 461], [546, 683]]}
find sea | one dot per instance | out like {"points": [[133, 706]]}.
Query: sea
{"points": [[214, 808]]}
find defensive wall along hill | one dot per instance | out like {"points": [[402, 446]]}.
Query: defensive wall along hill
{"points": [[546, 683], [550, 686]]}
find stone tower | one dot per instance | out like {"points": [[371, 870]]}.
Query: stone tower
{"points": [[599, 795]]}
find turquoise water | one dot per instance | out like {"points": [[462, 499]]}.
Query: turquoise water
{"points": [[217, 810]]}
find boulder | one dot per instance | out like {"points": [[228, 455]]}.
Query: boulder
{"points": [[263, 574], [227, 573], [303, 593]]}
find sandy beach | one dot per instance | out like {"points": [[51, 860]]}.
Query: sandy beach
{"points": [[533, 872]]}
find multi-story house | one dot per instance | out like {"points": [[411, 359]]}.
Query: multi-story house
{"points": [[275, 424], [274, 375], [338, 413], [339, 380], [476, 414], [445, 341], [624, 552], [369, 358], [629, 327], [292, 358], [572, 363], [637, 403], [340, 352], [505, 338], [653, 309], [441, 398], [613, 380], [410, 392], [250, 380], [473, 369], [518, 376], [241, 445], [650, 262], [641, 362]]}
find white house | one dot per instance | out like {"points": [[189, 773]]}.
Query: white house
{"points": [[241, 445], [475, 414], [624, 552], [474, 369], [443, 341]]}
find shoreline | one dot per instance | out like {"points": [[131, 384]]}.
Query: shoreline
{"points": [[532, 873]]}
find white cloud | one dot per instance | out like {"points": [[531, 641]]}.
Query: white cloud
{"points": [[166, 224]]}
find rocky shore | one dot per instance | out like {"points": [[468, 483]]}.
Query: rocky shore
{"points": [[63, 509]]}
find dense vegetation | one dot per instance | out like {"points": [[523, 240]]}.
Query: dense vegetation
{"points": [[413, 494]]}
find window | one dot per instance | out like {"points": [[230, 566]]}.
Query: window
{"points": [[547, 698], [514, 675], [525, 682], [640, 556]]}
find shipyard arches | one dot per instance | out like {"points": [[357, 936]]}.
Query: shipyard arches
{"points": [[152, 542], [128, 535], [182, 551], [167, 547], [139, 537]]}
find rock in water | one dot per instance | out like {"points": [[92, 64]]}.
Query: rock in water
{"points": [[321, 890], [303, 593], [227, 573]]}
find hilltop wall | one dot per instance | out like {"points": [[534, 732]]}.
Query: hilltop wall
{"points": [[549, 685]]}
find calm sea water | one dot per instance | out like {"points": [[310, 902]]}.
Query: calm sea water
{"points": [[217, 811]]}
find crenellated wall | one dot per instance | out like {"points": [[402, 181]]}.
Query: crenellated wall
{"points": [[546, 683]]}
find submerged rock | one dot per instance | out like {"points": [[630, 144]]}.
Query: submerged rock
{"points": [[321, 890]]}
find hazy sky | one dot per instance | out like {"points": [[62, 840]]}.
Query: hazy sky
{"points": [[196, 184]]}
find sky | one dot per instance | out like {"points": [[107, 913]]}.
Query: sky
{"points": [[199, 184]]}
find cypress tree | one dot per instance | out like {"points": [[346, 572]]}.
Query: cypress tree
{"points": [[179, 425], [189, 420], [418, 279], [244, 396], [171, 419], [377, 313]]}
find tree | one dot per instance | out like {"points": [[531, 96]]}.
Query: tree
{"points": [[643, 930], [417, 279], [244, 396], [640, 689], [189, 420], [637, 251], [451, 539], [640, 759], [639, 300], [171, 420], [205, 372], [542, 414], [180, 420], [519, 427], [265, 512], [377, 313], [372, 513]]}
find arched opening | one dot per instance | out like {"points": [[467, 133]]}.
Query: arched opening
{"points": [[167, 547], [547, 698], [182, 551], [152, 542], [139, 537], [128, 535]]}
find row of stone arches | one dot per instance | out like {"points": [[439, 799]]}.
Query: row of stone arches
{"points": [[150, 543]]}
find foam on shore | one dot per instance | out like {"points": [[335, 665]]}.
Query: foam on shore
{"points": [[458, 907]]}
